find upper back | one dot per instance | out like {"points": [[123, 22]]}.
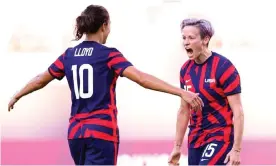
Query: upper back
{"points": [[86, 65], [91, 70]]}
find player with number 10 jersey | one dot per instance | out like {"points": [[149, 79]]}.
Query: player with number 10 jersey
{"points": [[92, 70]]}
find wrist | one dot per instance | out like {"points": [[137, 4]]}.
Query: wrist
{"points": [[17, 97], [182, 94], [177, 145], [235, 149]]}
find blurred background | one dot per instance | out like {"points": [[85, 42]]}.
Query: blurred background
{"points": [[147, 32]]}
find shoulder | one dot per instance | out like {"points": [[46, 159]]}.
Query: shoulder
{"points": [[69, 49], [185, 66], [67, 52], [225, 65], [109, 51], [222, 60]]}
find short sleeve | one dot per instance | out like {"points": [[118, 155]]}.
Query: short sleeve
{"points": [[182, 73], [117, 62], [229, 78], [181, 78], [56, 69]]}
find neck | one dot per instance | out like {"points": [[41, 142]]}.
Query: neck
{"points": [[94, 37], [204, 55]]}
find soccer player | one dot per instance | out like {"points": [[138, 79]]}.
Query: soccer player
{"points": [[91, 70], [213, 139]]}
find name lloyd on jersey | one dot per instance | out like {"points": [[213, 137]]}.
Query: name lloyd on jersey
{"points": [[83, 51]]}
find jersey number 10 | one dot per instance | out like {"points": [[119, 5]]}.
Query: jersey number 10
{"points": [[79, 92]]}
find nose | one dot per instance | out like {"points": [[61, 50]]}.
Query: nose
{"points": [[186, 42]]}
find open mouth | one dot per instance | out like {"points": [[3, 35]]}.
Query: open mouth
{"points": [[189, 50]]}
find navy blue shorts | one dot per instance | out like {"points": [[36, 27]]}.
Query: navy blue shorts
{"points": [[213, 153], [91, 151]]}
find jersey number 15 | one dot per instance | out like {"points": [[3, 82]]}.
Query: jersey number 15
{"points": [[79, 92]]}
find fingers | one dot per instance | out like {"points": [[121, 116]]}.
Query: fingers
{"points": [[171, 163], [226, 159], [194, 100], [10, 107], [197, 103], [232, 162], [200, 100], [193, 104], [235, 162], [174, 159]]}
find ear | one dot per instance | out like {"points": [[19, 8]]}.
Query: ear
{"points": [[206, 40], [104, 27]]}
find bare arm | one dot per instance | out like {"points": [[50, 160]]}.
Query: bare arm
{"points": [[150, 82], [236, 106], [182, 123], [36, 83], [181, 127]]}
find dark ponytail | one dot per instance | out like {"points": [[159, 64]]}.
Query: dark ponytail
{"points": [[91, 19]]}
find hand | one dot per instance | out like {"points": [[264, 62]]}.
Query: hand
{"points": [[11, 103], [193, 99], [233, 158], [175, 156]]}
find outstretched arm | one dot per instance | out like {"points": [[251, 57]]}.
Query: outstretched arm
{"points": [[122, 67], [150, 82], [55, 71], [36, 83]]}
